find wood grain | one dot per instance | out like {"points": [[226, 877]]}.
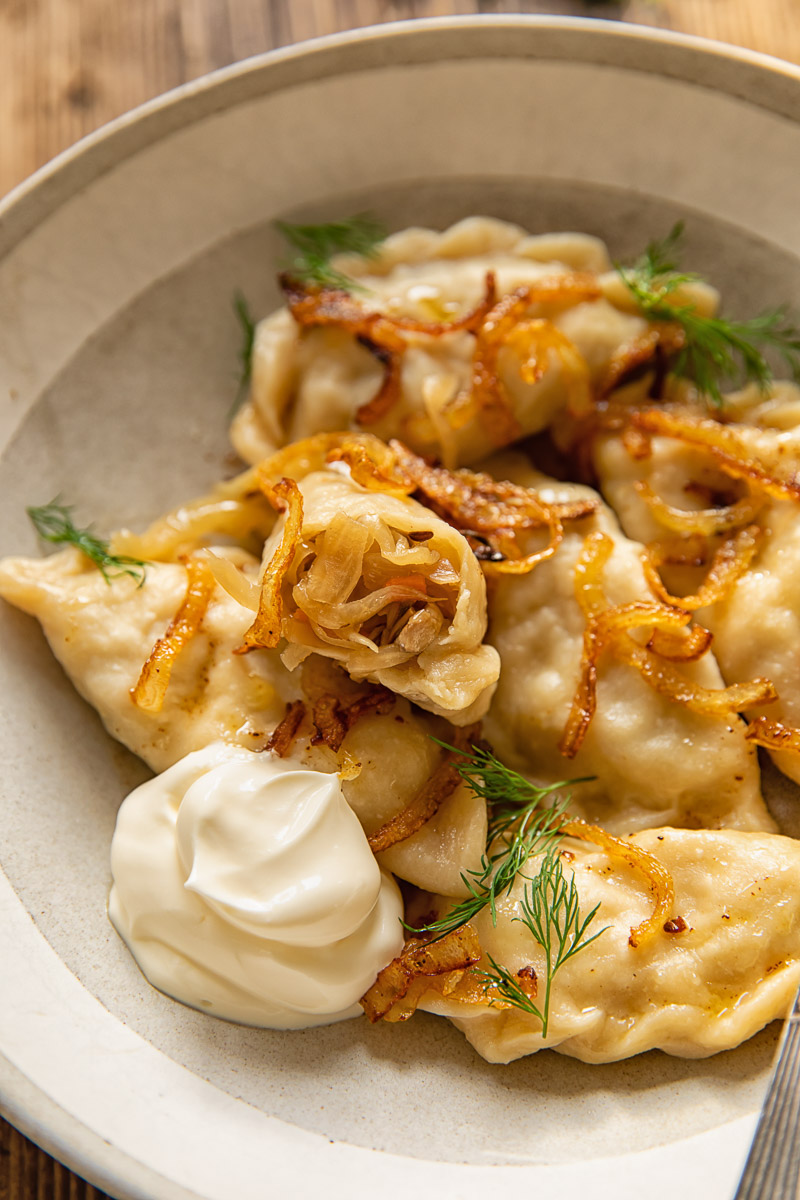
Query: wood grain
{"points": [[68, 66]]}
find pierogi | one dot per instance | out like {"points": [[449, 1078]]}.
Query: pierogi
{"points": [[391, 592], [317, 650], [319, 377], [734, 968], [756, 624], [653, 762]]}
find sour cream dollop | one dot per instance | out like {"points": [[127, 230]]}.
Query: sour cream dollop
{"points": [[244, 886]]}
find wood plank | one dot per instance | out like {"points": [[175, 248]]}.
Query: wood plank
{"points": [[67, 68]]}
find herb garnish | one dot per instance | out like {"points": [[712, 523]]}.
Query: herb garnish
{"points": [[53, 523], [716, 348], [315, 245], [520, 828], [551, 912], [248, 328]]}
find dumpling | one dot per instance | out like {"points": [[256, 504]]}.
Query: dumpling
{"points": [[419, 378], [756, 625], [652, 761], [386, 588], [692, 992], [102, 634]]}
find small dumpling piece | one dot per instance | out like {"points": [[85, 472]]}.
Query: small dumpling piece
{"points": [[102, 634], [456, 342], [390, 591], [653, 761], [692, 992]]}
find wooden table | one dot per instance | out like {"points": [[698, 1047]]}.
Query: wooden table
{"points": [[66, 68]]}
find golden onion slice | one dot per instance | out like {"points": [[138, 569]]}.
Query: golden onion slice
{"points": [[456, 951], [705, 522], [656, 875], [266, 629], [151, 687], [608, 628], [429, 799], [732, 559], [774, 735], [728, 445]]}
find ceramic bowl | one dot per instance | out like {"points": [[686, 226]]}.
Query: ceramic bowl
{"points": [[118, 353]]}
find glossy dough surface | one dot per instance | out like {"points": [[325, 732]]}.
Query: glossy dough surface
{"points": [[734, 969]]}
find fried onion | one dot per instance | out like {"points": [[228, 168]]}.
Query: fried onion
{"points": [[705, 522], [150, 689], [378, 332], [266, 629], [656, 875], [456, 951], [774, 735], [607, 628], [728, 445], [427, 802], [490, 511], [731, 561]]}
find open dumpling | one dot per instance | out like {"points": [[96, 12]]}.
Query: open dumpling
{"points": [[386, 588]]}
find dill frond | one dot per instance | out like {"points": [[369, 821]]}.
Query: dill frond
{"points": [[520, 827], [248, 334], [53, 523], [315, 245], [716, 349], [551, 912]]}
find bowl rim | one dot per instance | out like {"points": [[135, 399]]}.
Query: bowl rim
{"points": [[736, 71], [33, 199]]}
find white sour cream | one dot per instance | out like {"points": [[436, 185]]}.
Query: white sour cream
{"points": [[244, 886]]}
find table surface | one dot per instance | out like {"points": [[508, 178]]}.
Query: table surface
{"points": [[65, 69]]}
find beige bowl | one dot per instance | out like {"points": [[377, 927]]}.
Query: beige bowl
{"points": [[117, 362]]}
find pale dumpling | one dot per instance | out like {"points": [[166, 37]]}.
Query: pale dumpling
{"points": [[102, 633], [315, 379], [693, 992], [653, 761], [756, 626]]}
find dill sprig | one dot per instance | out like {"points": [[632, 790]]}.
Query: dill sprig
{"points": [[315, 245], [551, 912], [248, 334], [520, 828], [53, 523], [715, 348]]}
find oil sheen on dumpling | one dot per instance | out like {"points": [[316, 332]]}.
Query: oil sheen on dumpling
{"points": [[693, 993], [392, 593], [654, 761], [314, 379]]}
